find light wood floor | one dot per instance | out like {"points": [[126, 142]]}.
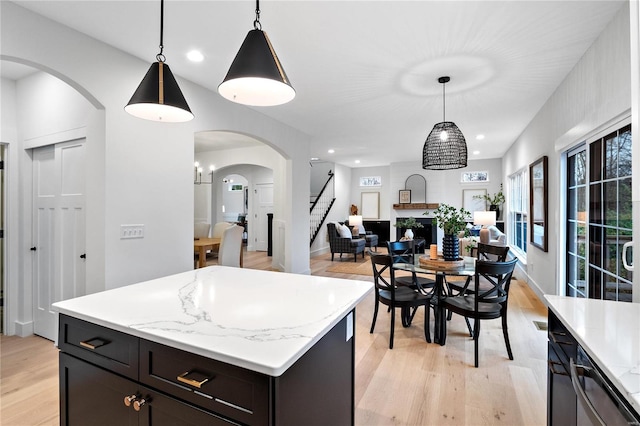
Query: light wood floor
{"points": [[415, 383]]}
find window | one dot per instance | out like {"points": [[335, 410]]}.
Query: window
{"points": [[518, 206], [599, 218]]}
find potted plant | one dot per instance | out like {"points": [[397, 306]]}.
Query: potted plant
{"points": [[452, 221], [408, 224], [494, 201]]}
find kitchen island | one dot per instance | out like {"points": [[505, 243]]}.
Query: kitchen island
{"points": [[608, 333], [218, 345]]}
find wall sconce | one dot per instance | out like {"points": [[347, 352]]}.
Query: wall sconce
{"points": [[197, 174]]}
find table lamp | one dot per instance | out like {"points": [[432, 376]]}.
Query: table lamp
{"points": [[355, 222], [484, 218]]}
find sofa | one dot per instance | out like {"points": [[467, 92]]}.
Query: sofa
{"points": [[341, 241], [496, 238]]}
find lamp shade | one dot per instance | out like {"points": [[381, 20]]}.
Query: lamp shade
{"points": [[445, 148], [355, 221], [159, 98], [256, 76], [484, 217]]}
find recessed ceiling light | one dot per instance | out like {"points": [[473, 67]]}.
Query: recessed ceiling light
{"points": [[476, 152], [357, 161], [331, 151], [195, 56], [480, 137], [314, 158]]}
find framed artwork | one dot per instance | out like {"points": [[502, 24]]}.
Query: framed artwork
{"points": [[371, 181], [471, 177], [538, 202], [370, 205], [405, 196], [472, 201]]}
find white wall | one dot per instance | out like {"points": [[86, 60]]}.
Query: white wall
{"points": [[595, 92], [384, 189], [142, 172]]}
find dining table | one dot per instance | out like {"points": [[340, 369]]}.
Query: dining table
{"points": [[201, 245], [439, 291]]}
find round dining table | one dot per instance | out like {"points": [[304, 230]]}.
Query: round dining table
{"points": [[439, 291]]}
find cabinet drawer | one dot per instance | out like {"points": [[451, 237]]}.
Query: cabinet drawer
{"points": [[239, 394], [99, 345]]}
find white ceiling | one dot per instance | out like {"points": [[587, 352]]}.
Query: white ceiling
{"points": [[365, 72]]}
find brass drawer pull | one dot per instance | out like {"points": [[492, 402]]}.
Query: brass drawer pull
{"points": [[93, 344], [196, 382]]}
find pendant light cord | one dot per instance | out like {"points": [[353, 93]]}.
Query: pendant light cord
{"points": [[160, 57], [443, 104], [256, 23]]}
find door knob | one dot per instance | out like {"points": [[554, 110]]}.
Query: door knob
{"points": [[83, 256], [129, 399], [139, 404], [32, 249]]}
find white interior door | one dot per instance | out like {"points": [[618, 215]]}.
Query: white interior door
{"points": [[58, 230], [263, 196]]}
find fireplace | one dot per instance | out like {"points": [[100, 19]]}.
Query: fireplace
{"points": [[429, 232]]}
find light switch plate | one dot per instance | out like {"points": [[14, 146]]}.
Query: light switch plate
{"points": [[131, 231]]}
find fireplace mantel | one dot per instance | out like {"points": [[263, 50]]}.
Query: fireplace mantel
{"points": [[416, 206]]}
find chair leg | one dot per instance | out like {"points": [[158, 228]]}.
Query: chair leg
{"points": [[468, 325], [506, 335], [355, 257], [375, 315], [427, 332], [393, 325], [332, 256], [476, 337]]}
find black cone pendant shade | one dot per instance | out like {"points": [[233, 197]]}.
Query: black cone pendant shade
{"points": [[159, 98], [445, 147], [256, 76]]}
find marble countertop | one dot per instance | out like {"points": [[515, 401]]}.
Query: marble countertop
{"points": [[610, 334], [259, 320]]}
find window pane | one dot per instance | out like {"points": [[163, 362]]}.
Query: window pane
{"points": [[611, 251], [582, 204], [581, 238], [595, 245], [611, 157], [610, 287], [611, 203], [580, 168], [572, 243], [624, 152], [625, 236], [595, 161], [624, 204], [595, 283], [595, 203], [572, 201]]}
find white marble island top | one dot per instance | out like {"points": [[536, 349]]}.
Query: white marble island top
{"points": [[259, 320], [609, 332]]}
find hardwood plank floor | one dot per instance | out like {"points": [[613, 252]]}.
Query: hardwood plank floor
{"points": [[416, 383]]}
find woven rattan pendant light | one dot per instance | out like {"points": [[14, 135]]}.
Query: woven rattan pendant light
{"points": [[445, 147], [158, 97]]}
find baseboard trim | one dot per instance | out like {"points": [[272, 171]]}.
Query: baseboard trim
{"points": [[24, 329]]}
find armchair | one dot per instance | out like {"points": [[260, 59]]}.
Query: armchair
{"points": [[344, 244]]}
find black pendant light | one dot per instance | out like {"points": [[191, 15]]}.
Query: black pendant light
{"points": [[256, 76], [445, 147], [158, 96]]}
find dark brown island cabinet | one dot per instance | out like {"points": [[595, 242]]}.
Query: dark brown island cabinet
{"points": [[108, 377]]}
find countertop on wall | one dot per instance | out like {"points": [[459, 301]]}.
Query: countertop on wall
{"points": [[259, 320], [610, 334]]}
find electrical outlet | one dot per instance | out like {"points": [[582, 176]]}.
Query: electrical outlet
{"points": [[131, 231]]}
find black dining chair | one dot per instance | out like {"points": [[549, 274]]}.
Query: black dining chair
{"points": [[487, 301], [388, 293], [404, 252], [485, 252]]}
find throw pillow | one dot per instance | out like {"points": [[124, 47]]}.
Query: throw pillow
{"points": [[344, 231]]}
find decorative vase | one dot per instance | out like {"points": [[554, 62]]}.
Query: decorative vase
{"points": [[450, 247], [408, 234], [495, 208]]}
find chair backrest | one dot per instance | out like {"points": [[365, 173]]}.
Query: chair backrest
{"points": [[498, 275], [230, 246], [219, 228], [381, 263], [492, 253], [401, 251], [201, 229]]}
